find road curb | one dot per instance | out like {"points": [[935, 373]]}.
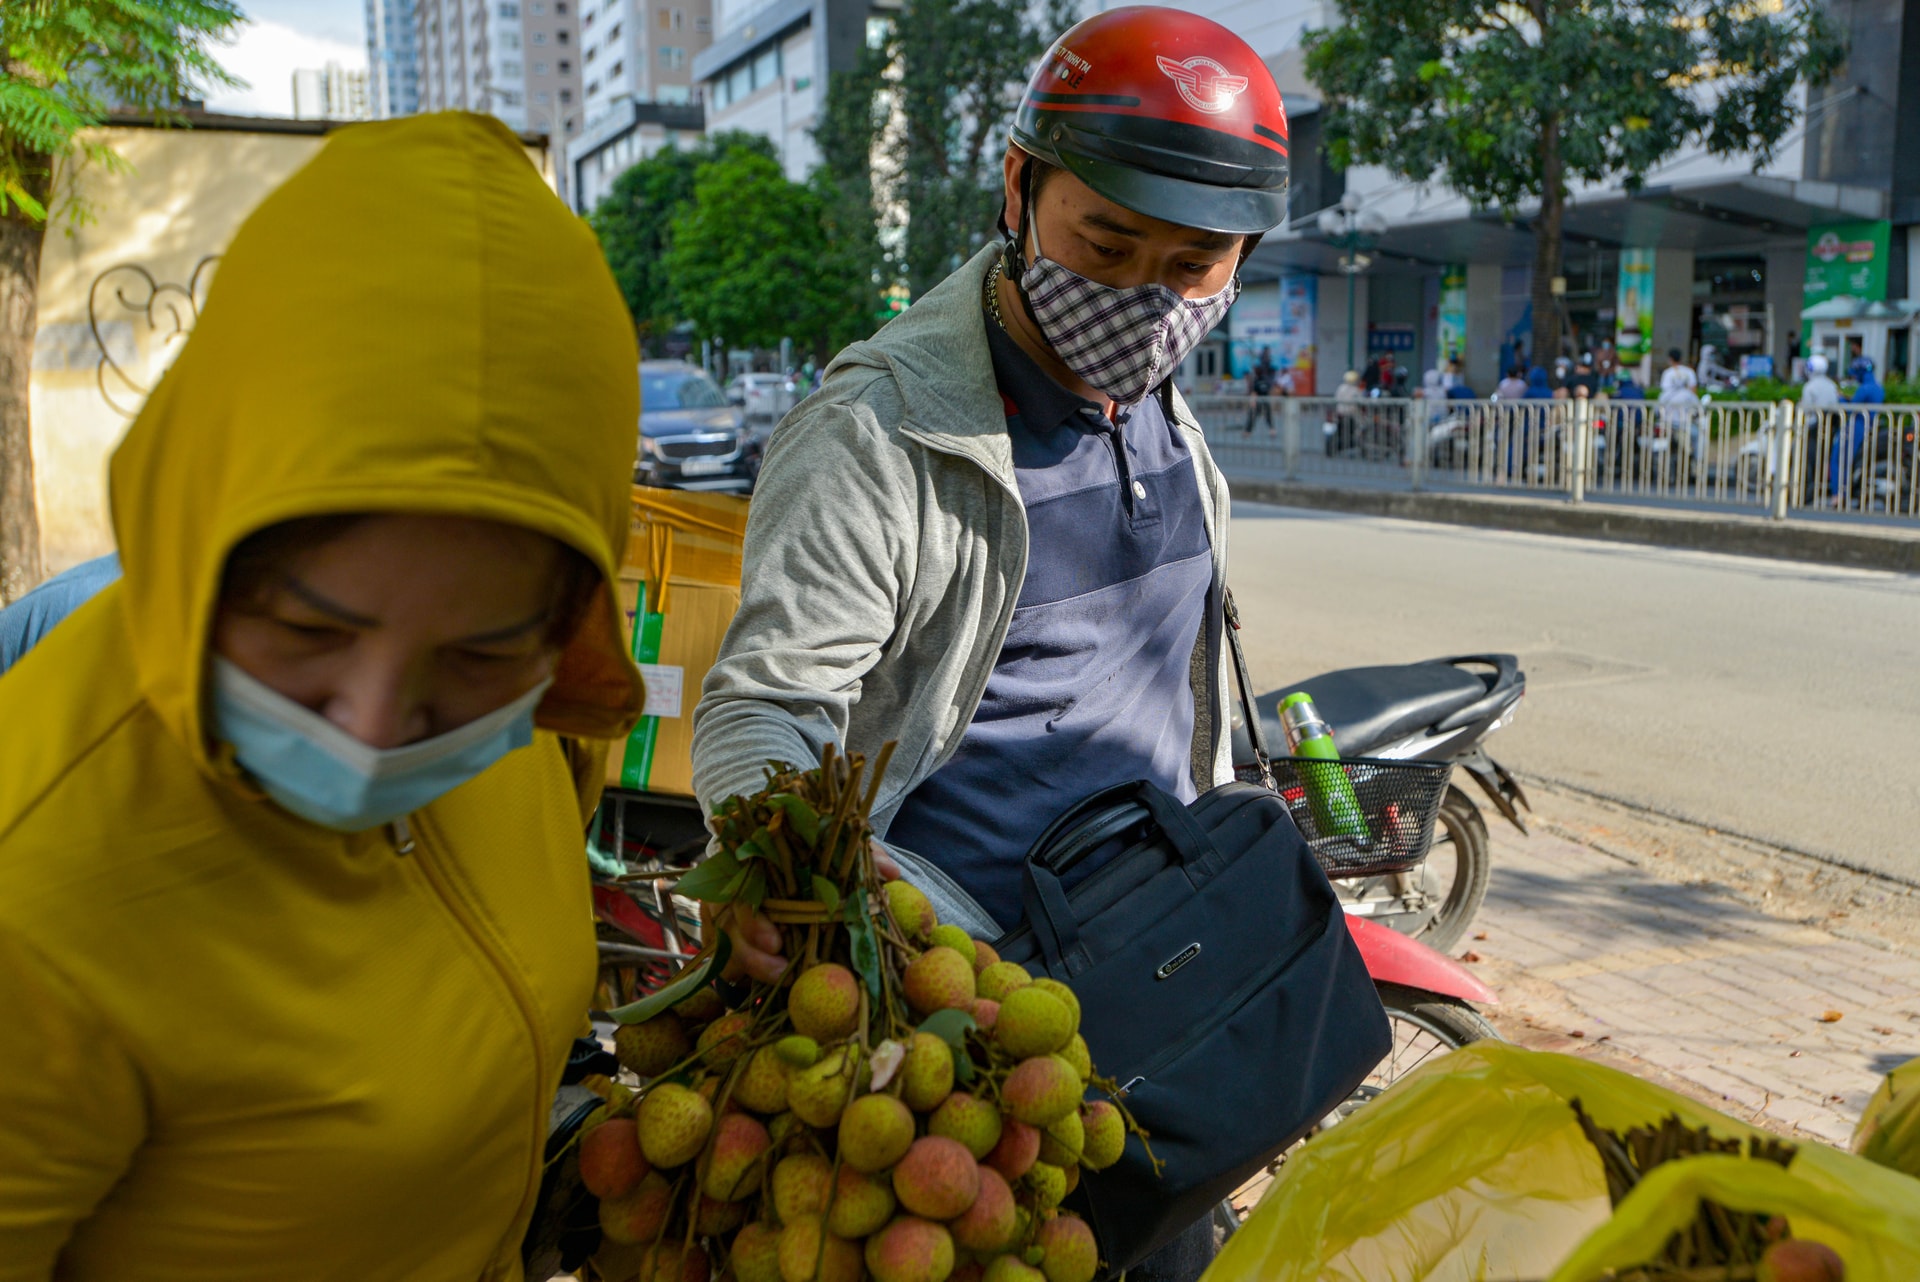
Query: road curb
{"points": [[1814, 541]]}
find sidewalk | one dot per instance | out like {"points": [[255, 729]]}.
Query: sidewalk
{"points": [[1782, 1022]]}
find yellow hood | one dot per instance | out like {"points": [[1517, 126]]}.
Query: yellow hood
{"points": [[413, 322]]}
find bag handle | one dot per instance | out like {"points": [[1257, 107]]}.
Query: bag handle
{"points": [[1255, 733]]}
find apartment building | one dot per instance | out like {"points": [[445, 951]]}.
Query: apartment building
{"points": [[516, 59], [641, 50], [393, 70]]}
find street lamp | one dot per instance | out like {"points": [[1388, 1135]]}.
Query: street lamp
{"points": [[1353, 229]]}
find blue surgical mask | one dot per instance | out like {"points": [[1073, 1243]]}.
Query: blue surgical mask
{"points": [[323, 774]]}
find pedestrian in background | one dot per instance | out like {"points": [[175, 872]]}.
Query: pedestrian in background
{"points": [[294, 923], [1513, 387], [1260, 386]]}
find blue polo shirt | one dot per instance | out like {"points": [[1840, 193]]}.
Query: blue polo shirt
{"points": [[1092, 685]]}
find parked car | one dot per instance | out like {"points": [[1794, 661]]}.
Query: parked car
{"points": [[690, 438], [764, 397]]}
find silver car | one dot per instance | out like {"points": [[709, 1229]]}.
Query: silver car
{"points": [[690, 438]]}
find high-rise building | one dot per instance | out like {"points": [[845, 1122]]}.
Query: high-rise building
{"points": [[393, 72], [641, 50], [515, 59], [331, 92]]}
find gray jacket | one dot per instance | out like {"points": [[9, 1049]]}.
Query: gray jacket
{"points": [[885, 551]]}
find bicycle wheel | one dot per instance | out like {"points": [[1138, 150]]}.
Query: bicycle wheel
{"points": [[1425, 1025]]}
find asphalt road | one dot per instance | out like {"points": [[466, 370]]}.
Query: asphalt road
{"points": [[1776, 700]]}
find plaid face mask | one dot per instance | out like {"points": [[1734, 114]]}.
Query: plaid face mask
{"points": [[1124, 342]]}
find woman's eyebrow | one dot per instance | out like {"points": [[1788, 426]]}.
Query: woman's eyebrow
{"points": [[331, 608], [511, 632]]}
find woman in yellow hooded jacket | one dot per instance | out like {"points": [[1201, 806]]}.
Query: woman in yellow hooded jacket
{"points": [[294, 916]]}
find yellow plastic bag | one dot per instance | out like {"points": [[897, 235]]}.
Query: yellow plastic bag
{"points": [[1889, 1131], [1473, 1169]]}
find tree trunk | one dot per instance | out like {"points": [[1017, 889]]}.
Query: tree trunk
{"points": [[20, 243], [1546, 247]]}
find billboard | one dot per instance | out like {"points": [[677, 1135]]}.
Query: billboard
{"points": [[1847, 260], [1633, 315], [1452, 344]]}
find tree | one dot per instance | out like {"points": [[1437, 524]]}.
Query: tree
{"points": [[1507, 101], [937, 100], [634, 222], [748, 255], [66, 64]]}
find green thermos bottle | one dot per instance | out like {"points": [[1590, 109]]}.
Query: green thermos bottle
{"points": [[1336, 810]]}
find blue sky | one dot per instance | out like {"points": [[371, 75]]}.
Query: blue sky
{"points": [[282, 36]]}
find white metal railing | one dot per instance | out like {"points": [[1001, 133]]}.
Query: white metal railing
{"points": [[1772, 458]]}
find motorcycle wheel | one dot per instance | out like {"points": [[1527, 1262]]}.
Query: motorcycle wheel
{"points": [[1424, 1025], [1463, 838]]}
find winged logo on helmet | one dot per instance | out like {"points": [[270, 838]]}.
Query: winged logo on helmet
{"points": [[1205, 84]]}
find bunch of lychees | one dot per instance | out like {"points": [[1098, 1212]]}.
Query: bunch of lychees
{"points": [[901, 1103]]}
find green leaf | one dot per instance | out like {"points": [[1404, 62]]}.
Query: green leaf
{"points": [[679, 988], [1430, 71], [962, 1066], [802, 818], [753, 887], [711, 878], [824, 891], [950, 1026], [754, 847], [866, 945]]}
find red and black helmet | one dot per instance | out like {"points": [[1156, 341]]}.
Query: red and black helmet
{"points": [[1164, 112]]}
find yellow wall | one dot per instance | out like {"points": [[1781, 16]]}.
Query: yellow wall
{"points": [[182, 195]]}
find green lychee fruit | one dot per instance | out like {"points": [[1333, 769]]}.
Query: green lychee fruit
{"points": [[1073, 1177], [910, 1250], [724, 1040], [712, 1218], [674, 1123], [641, 1214], [801, 1052], [875, 1132], [1032, 1022], [801, 1182], [949, 936], [1068, 998], [825, 1003], [1011, 1268], [938, 979], [785, 1126], [926, 1075], [701, 1006], [1001, 978], [969, 1119], [912, 911], [755, 1254], [1106, 1135], [987, 1226], [654, 1046], [1071, 1254], [611, 1163], [762, 1084], [1041, 1090], [818, 1094], [983, 955], [808, 1253], [861, 1204], [937, 1178], [1048, 1183], [986, 1013], [1075, 1053], [1017, 1150], [731, 1167], [1062, 1142]]}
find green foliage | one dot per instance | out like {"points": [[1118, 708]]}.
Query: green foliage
{"points": [[69, 62], [1464, 92], [748, 255], [634, 222], [938, 97]]}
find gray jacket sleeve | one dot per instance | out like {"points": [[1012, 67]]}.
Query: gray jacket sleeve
{"points": [[828, 559]]}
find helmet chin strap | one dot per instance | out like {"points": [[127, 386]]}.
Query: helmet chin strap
{"points": [[1014, 256]]}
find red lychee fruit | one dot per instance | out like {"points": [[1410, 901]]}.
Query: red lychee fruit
{"points": [[755, 1254], [1106, 1135], [611, 1164], [973, 1121], [734, 1161], [800, 1185], [762, 1084], [641, 1214], [724, 1040], [1042, 1090], [910, 1250], [983, 955], [654, 1046], [861, 1204], [987, 1226], [986, 1013], [808, 1253], [824, 1003], [1071, 1254], [937, 1179], [938, 979], [711, 1218], [1017, 1150]]}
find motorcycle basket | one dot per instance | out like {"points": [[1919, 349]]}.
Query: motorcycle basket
{"points": [[1400, 801]]}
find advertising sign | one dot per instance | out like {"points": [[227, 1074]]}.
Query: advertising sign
{"points": [[1452, 338], [1389, 336], [1847, 260], [1254, 324], [1299, 296], [1633, 322]]}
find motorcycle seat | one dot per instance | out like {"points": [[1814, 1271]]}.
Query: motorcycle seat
{"points": [[1370, 708]]}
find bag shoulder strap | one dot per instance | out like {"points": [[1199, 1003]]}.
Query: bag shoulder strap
{"points": [[1257, 735]]}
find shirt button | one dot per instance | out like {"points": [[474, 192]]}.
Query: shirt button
{"points": [[1139, 490]]}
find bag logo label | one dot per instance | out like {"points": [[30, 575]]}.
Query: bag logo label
{"points": [[1205, 84], [1176, 961]]}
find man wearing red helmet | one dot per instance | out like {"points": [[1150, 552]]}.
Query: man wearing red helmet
{"points": [[995, 534]]}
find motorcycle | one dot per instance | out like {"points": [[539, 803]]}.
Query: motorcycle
{"points": [[1439, 710]]}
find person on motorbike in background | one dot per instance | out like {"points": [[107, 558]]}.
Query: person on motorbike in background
{"points": [[1711, 373], [1850, 441], [996, 535], [294, 921]]}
